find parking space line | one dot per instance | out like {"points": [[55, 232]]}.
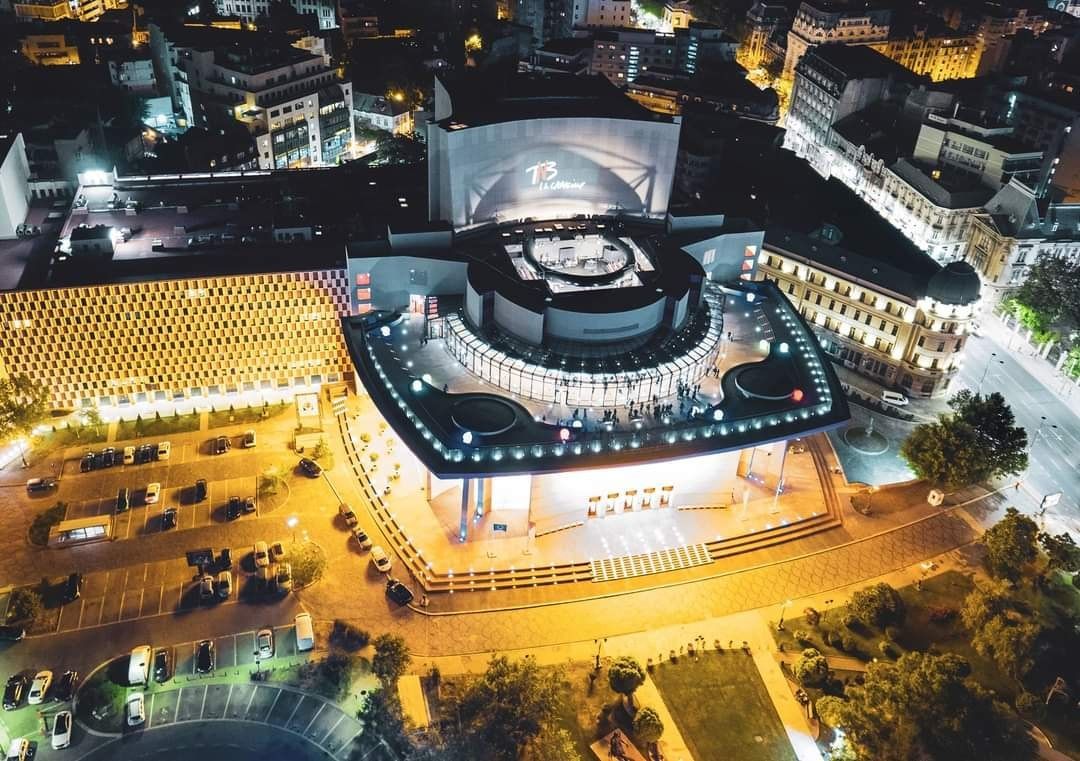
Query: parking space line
{"points": [[234, 656], [331, 730], [176, 710], [180, 596], [276, 699], [250, 701], [225, 710], [202, 709], [104, 597], [288, 721], [150, 711], [348, 745], [321, 707], [82, 609], [161, 596], [120, 612]]}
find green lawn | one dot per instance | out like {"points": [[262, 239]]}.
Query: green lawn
{"points": [[156, 426], [722, 708], [246, 415], [62, 438], [101, 698], [589, 713]]}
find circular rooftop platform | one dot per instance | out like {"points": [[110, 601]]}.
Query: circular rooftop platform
{"points": [[485, 415], [759, 382]]}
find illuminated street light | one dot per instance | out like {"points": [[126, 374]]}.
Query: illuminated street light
{"points": [[292, 523], [783, 606]]}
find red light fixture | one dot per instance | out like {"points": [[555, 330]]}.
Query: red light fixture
{"points": [[797, 395]]}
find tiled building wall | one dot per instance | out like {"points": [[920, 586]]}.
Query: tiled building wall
{"points": [[196, 337]]}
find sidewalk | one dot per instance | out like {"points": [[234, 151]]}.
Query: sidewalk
{"points": [[1013, 340]]}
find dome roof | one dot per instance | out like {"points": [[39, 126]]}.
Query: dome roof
{"points": [[956, 283]]}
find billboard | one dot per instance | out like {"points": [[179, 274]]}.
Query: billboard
{"points": [[552, 168]]}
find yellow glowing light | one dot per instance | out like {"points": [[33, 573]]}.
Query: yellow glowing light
{"points": [[473, 43]]}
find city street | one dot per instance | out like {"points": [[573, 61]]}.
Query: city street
{"points": [[1055, 441]]}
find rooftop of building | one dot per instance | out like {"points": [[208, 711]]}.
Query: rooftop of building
{"points": [[491, 97], [854, 62], [942, 185], [378, 104], [245, 51], [881, 129], [566, 46], [204, 224]]}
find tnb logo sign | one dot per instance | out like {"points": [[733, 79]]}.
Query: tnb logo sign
{"points": [[542, 171]]}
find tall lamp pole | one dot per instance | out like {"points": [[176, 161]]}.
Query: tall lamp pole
{"points": [[783, 607]]}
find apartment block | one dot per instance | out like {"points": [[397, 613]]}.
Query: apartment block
{"points": [[49, 50], [178, 339], [251, 11], [57, 10], [933, 50], [623, 54], [608, 13], [764, 21], [904, 330], [14, 184], [822, 22], [136, 75]]}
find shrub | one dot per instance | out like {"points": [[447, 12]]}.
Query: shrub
{"points": [[24, 605], [878, 605], [1029, 704], [830, 710], [848, 643], [1076, 580], [348, 637], [811, 669], [942, 615], [850, 620], [802, 637], [812, 616], [886, 649], [892, 633], [832, 638]]}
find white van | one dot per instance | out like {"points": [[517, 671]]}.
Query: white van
{"points": [[893, 398], [305, 633], [139, 665], [163, 450], [129, 455]]}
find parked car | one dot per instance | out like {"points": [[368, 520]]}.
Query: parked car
{"points": [[206, 587], [222, 445], [200, 490], [164, 450], [162, 665], [87, 462], [73, 587], [282, 583], [262, 554], [13, 691], [122, 500], [135, 708], [109, 457], [361, 538], [129, 455], [249, 439], [347, 513], [11, 633], [311, 468], [18, 750], [38, 485], [61, 732], [144, 453], [232, 510], [224, 584], [249, 505], [380, 559], [277, 552], [39, 688], [168, 518], [204, 657], [398, 592], [153, 493], [65, 686], [264, 643]]}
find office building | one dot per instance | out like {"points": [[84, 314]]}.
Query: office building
{"points": [[254, 11], [822, 22]]}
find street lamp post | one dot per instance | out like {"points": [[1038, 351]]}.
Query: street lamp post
{"points": [[989, 361], [292, 523], [1038, 432], [599, 645], [783, 607]]}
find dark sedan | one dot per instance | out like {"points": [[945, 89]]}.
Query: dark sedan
{"points": [[204, 657], [311, 468], [13, 691]]}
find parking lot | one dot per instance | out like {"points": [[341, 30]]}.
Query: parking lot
{"points": [[152, 589], [321, 722], [94, 493]]}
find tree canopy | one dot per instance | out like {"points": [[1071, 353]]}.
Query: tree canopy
{"points": [[978, 441], [648, 727], [1010, 545], [878, 605], [391, 658], [625, 675], [506, 708], [1052, 289], [925, 705], [1062, 552]]}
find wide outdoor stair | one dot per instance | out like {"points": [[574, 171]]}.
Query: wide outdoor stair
{"points": [[611, 568]]}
